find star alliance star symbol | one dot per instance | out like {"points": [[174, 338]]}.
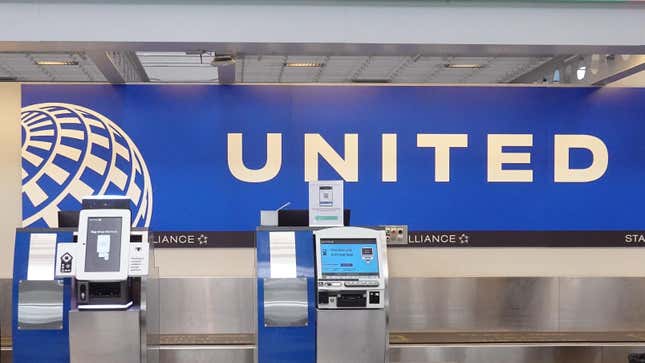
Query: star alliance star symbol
{"points": [[202, 239], [464, 238]]}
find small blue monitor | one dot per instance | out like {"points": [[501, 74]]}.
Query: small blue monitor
{"points": [[354, 257]]}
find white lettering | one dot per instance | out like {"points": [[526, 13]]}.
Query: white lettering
{"points": [[496, 158], [270, 169], [634, 238], [347, 168], [389, 158], [442, 144], [346, 163], [600, 158]]}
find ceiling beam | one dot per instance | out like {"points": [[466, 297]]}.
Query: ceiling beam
{"points": [[105, 65], [226, 74], [547, 26], [325, 49], [119, 67], [618, 68]]}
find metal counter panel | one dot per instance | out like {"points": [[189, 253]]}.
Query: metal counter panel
{"points": [[150, 318], [436, 305], [620, 354], [514, 354], [117, 339], [40, 305], [515, 337], [351, 336], [496, 354], [473, 304], [201, 354], [207, 305], [602, 304], [431, 354], [285, 302]]}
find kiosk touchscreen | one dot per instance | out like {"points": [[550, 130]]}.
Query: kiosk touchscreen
{"points": [[104, 236], [105, 258], [350, 269], [103, 254], [348, 257]]}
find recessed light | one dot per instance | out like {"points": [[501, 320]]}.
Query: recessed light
{"points": [[581, 72], [463, 65], [222, 60], [303, 65], [56, 63]]}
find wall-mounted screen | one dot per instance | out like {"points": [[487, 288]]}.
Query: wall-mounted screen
{"points": [[356, 257]]}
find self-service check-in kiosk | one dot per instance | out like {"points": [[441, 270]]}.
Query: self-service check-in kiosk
{"points": [[93, 298], [351, 276], [322, 295]]}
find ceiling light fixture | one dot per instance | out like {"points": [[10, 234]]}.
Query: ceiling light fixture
{"points": [[304, 65], [463, 66], [222, 60], [56, 63], [581, 73]]}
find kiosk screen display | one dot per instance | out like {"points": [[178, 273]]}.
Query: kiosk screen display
{"points": [[103, 244], [357, 257]]}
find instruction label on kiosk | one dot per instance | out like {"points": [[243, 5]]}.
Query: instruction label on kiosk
{"points": [[326, 203]]}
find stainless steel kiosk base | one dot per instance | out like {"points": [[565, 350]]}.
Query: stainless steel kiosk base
{"points": [[351, 336], [105, 336]]}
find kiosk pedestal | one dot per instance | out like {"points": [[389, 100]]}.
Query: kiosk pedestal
{"points": [[108, 310], [351, 278], [91, 300], [322, 295]]}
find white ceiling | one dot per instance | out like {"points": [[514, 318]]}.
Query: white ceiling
{"points": [[420, 69], [23, 67], [182, 67]]}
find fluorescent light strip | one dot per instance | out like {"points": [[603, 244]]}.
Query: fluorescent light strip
{"points": [[463, 66], [303, 65], [56, 63]]}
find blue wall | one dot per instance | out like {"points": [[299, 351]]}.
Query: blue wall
{"points": [[181, 132]]}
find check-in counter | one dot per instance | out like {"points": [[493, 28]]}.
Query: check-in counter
{"points": [[438, 319], [469, 319]]}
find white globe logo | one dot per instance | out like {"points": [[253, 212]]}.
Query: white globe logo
{"points": [[70, 152]]}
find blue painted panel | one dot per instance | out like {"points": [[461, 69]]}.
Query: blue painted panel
{"points": [[181, 133], [38, 346], [287, 344]]}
